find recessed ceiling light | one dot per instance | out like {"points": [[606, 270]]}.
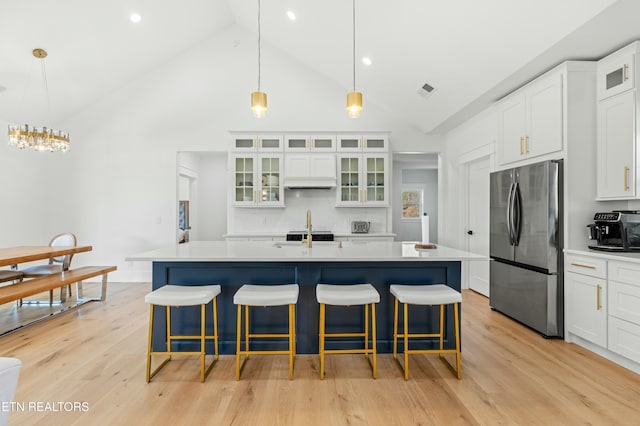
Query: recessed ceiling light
{"points": [[135, 18], [366, 61], [291, 15]]}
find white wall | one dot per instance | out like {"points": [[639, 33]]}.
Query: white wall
{"points": [[474, 136], [116, 188]]}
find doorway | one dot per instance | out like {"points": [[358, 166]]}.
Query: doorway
{"points": [[477, 226]]}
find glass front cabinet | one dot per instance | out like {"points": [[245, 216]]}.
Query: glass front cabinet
{"points": [[363, 180], [258, 180]]}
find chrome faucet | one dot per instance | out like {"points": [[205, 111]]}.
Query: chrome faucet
{"points": [[309, 239]]}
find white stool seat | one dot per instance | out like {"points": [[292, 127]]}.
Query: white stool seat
{"points": [[347, 295], [179, 295], [438, 294], [267, 295]]}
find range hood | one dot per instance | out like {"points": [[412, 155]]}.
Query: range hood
{"points": [[310, 171], [309, 183]]}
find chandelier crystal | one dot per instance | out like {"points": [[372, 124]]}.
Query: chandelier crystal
{"points": [[39, 138]]}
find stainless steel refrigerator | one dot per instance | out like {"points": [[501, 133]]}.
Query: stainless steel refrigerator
{"points": [[526, 246]]}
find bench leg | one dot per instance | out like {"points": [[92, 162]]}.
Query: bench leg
{"points": [[103, 294]]}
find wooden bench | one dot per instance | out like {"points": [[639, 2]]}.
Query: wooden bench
{"points": [[33, 286]]}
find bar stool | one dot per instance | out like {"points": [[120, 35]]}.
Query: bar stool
{"points": [[438, 294], [265, 295], [348, 295], [176, 296]]}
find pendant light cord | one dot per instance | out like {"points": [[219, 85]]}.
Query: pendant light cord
{"points": [[354, 45], [46, 90], [259, 56]]}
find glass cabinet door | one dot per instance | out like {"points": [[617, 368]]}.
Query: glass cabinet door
{"points": [[376, 182], [271, 180], [349, 179], [244, 179]]}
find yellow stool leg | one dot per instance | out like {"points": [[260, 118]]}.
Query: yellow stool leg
{"points": [[456, 324], [246, 331], [322, 318], [395, 329], [366, 331], [202, 346], [149, 343], [441, 328], [373, 331], [238, 335], [169, 346], [291, 340], [406, 341], [215, 326]]}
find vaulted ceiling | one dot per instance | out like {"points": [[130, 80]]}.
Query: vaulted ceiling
{"points": [[472, 52]]}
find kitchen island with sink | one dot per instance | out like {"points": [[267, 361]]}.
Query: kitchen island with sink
{"points": [[234, 263]]}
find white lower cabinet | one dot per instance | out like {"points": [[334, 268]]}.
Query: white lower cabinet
{"points": [[586, 312], [602, 306]]}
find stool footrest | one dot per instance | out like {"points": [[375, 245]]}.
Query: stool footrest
{"points": [[269, 336], [418, 335], [345, 335], [283, 352], [348, 351]]}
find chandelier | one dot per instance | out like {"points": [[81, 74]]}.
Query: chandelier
{"points": [[39, 138]]}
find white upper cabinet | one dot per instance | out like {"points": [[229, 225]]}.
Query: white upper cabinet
{"points": [[312, 143], [363, 143], [616, 74], [616, 147], [257, 143], [617, 161], [257, 180], [530, 121], [363, 180]]}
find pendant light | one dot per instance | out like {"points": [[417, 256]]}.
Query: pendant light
{"points": [[354, 99], [259, 99]]}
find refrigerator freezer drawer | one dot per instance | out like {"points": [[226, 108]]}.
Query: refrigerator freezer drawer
{"points": [[529, 297]]}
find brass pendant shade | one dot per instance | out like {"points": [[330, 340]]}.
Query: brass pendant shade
{"points": [[354, 104], [259, 104]]}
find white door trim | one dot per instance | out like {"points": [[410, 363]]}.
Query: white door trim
{"points": [[465, 160]]}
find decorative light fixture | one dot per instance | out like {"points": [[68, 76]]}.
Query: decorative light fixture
{"points": [[354, 99], [259, 99], [39, 139]]}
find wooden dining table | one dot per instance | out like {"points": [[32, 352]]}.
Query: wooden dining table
{"points": [[22, 254]]}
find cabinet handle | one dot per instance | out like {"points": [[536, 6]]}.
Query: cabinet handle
{"points": [[625, 72], [521, 152], [526, 144], [582, 266], [626, 178], [598, 301]]}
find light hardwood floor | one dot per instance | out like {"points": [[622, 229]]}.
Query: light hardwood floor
{"points": [[510, 375]]}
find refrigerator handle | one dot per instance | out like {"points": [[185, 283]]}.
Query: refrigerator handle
{"points": [[517, 214], [510, 214]]}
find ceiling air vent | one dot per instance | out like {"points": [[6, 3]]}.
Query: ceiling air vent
{"points": [[426, 90]]}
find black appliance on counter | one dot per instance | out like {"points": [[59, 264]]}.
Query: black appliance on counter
{"points": [[315, 235], [618, 231]]}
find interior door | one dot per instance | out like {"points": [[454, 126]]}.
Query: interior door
{"points": [[478, 229]]}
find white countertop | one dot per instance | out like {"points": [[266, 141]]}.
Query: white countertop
{"points": [[608, 255], [293, 251], [283, 234]]}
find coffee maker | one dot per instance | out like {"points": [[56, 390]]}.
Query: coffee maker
{"points": [[618, 230]]}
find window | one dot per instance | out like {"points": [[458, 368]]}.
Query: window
{"points": [[412, 204]]}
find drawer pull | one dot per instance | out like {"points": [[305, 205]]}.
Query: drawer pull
{"points": [[626, 178], [598, 301], [583, 266], [521, 151], [526, 144]]}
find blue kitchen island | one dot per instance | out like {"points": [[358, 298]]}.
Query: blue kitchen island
{"points": [[234, 263]]}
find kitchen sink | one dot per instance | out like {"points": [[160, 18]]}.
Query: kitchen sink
{"points": [[300, 244]]}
